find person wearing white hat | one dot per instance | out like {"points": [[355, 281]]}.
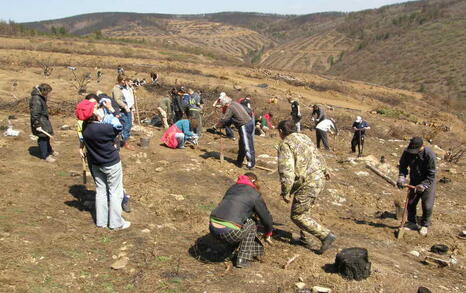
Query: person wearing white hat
{"points": [[359, 127]]}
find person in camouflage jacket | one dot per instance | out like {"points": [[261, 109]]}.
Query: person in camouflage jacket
{"points": [[303, 172]]}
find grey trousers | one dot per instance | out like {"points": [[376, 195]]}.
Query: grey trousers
{"points": [[108, 204]]}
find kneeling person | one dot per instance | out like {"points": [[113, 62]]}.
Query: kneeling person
{"points": [[231, 221]]}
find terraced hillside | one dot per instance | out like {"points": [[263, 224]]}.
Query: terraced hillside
{"points": [[225, 39], [315, 53]]}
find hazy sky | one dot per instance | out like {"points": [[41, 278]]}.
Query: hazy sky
{"points": [[32, 10]]}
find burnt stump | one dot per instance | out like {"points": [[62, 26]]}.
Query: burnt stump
{"points": [[353, 263]]}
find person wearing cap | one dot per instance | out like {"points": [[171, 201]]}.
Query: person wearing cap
{"points": [[99, 134], [232, 220], [237, 115], [359, 127], [318, 114], [103, 107], [421, 162], [295, 113]]}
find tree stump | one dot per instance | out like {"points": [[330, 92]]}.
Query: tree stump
{"points": [[353, 263]]}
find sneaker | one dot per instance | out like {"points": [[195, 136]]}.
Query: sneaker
{"points": [[50, 159], [262, 134], [411, 226], [126, 225], [423, 231], [326, 243], [55, 154]]}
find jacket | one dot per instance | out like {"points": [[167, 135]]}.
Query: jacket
{"points": [[240, 202], [39, 114], [298, 162], [295, 110], [235, 114], [99, 138], [117, 94], [422, 167], [184, 126], [166, 105]]}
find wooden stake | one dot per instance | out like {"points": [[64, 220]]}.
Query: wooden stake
{"points": [[137, 108]]}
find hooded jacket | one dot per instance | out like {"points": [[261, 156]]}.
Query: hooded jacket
{"points": [[39, 114], [240, 202]]}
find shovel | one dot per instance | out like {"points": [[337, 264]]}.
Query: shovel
{"points": [[400, 232]]}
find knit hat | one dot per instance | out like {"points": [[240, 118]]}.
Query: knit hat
{"points": [[415, 145], [84, 110]]}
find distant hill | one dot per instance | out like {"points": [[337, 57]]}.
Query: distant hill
{"points": [[416, 45]]}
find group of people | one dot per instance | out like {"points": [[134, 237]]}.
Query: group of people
{"points": [[105, 125]]}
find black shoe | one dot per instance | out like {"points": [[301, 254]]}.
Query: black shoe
{"points": [[126, 207], [326, 243], [242, 263]]}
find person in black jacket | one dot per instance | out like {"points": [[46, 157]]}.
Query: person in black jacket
{"points": [[40, 122], [231, 221], [295, 113], [421, 162]]}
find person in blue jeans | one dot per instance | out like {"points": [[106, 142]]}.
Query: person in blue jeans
{"points": [[40, 122]]}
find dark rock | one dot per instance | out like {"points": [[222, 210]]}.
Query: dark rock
{"points": [[353, 263], [423, 290], [445, 180], [441, 249]]}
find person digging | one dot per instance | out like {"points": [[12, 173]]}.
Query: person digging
{"points": [[232, 220], [303, 172], [421, 162]]}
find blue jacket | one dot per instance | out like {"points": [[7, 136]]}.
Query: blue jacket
{"points": [[184, 126]]}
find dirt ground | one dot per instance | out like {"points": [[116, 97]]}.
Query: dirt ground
{"points": [[49, 242]]}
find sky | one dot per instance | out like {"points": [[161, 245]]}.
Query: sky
{"points": [[34, 10]]}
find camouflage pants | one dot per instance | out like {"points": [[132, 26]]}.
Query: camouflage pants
{"points": [[304, 197]]}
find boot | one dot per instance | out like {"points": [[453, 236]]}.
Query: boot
{"points": [[326, 243], [127, 146]]}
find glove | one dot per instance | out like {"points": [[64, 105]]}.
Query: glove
{"points": [[401, 182], [420, 188]]}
